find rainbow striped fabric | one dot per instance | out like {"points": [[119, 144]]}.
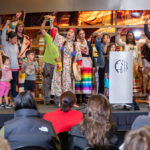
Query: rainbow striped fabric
{"points": [[84, 86]]}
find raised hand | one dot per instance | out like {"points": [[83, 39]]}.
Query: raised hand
{"points": [[7, 24], [46, 17], [99, 33]]}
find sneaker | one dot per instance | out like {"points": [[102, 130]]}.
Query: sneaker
{"points": [[8, 106]]}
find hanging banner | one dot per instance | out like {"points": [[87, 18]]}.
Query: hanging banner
{"points": [[121, 77]]}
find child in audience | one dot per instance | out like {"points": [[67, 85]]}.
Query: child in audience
{"points": [[5, 80], [111, 47], [30, 67]]}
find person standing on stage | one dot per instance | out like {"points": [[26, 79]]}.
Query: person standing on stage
{"points": [[85, 86], [50, 58], [70, 53], [24, 43], [5, 80], [11, 49], [101, 46], [111, 47], [130, 45], [30, 68], [146, 68], [146, 31]]}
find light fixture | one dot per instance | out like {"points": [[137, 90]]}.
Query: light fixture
{"points": [[136, 14]]}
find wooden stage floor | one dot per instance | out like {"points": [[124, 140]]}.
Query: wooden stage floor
{"points": [[51, 107]]}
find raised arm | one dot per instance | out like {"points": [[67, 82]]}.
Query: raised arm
{"points": [[146, 31], [119, 40], [98, 43], [43, 26], [3, 37]]}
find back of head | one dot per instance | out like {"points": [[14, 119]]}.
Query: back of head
{"points": [[138, 139], [67, 100], [4, 144], [11, 34], [97, 121], [25, 100]]}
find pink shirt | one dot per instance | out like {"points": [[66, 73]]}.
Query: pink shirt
{"points": [[6, 73]]}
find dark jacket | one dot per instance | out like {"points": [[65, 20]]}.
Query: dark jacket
{"points": [[28, 129], [78, 141], [146, 31], [101, 58]]}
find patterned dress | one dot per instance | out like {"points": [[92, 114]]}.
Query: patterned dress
{"points": [[86, 84], [62, 80]]}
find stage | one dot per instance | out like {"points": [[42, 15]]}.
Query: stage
{"points": [[122, 118]]}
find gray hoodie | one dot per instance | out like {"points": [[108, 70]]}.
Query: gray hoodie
{"points": [[10, 50]]}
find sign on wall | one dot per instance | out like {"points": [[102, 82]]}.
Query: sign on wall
{"points": [[121, 77]]}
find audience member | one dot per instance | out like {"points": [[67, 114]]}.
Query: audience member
{"points": [[96, 131], [64, 118], [27, 128]]}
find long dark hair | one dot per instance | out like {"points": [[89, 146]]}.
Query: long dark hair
{"points": [[146, 52], [78, 31], [109, 47], [133, 42], [105, 34], [20, 23], [97, 121], [25, 100]]}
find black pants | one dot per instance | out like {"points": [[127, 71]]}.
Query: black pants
{"points": [[14, 82], [83, 96], [101, 73]]}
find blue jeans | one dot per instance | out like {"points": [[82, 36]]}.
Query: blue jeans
{"points": [[14, 83]]}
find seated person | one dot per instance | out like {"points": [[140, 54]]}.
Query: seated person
{"points": [[138, 139], [141, 121], [64, 118], [27, 128], [96, 131]]}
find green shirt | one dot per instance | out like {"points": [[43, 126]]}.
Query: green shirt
{"points": [[51, 51]]}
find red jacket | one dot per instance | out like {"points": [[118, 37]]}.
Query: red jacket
{"points": [[63, 121]]}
